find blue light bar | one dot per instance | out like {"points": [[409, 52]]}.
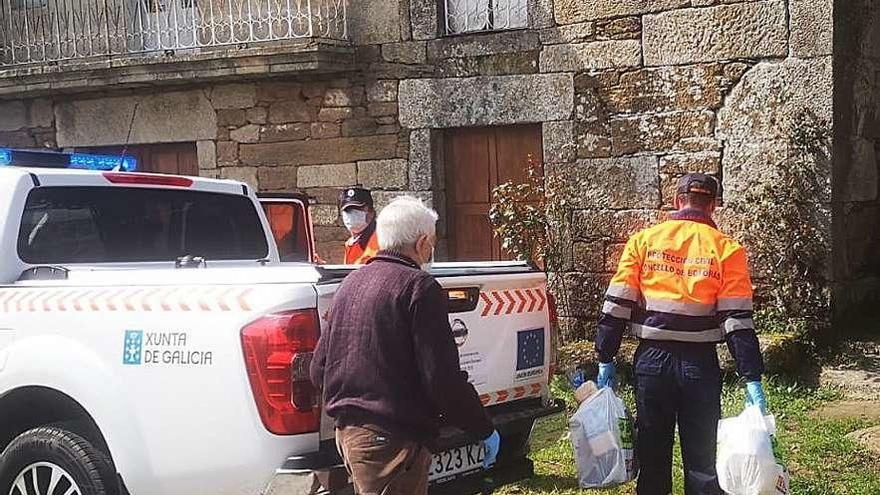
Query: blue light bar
{"points": [[51, 159], [103, 162]]}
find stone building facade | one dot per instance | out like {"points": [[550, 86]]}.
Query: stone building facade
{"points": [[625, 95]]}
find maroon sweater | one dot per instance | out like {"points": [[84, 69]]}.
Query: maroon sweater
{"points": [[389, 359]]}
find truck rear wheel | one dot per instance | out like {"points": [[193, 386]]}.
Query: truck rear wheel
{"points": [[53, 461]]}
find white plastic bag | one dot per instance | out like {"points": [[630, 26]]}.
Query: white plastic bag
{"points": [[746, 464], [602, 437]]}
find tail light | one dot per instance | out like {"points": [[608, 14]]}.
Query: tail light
{"points": [[278, 351], [554, 333]]}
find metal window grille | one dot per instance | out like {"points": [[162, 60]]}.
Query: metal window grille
{"points": [[63, 30], [19, 5], [467, 16]]}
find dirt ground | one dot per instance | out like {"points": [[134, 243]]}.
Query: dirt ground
{"points": [[860, 383], [856, 409]]}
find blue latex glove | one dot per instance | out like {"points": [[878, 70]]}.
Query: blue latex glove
{"points": [[755, 395], [606, 375], [577, 378], [491, 446]]}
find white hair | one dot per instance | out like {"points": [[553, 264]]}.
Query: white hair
{"points": [[403, 222]]}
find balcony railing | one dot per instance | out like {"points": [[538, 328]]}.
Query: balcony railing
{"points": [[39, 31]]}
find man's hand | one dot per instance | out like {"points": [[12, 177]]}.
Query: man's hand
{"points": [[491, 445], [606, 375], [755, 395]]}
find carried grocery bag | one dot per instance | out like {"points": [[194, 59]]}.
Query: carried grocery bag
{"points": [[746, 464], [602, 435]]}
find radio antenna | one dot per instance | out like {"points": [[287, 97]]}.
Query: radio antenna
{"points": [[128, 136]]}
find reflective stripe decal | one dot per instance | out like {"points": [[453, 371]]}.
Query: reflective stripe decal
{"points": [[507, 395], [735, 303], [505, 302], [734, 324], [624, 292], [680, 308], [617, 310], [644, 332], [162, 299]]}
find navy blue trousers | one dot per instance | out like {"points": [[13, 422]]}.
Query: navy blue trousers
{"points": [[677, 383]]}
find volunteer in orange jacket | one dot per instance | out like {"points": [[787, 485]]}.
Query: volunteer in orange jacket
{"points": [[359, 217], [681, 287]]}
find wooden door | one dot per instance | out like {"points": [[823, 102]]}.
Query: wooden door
{"points": [[477, 160], [170, 158], [177, 158]]}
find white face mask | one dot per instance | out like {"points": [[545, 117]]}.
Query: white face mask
{"points": [[355, 220]]}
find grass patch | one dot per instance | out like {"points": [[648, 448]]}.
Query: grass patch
{"points": [[821, 459]]}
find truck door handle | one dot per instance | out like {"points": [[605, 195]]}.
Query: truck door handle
{"points": [[462, 300]]}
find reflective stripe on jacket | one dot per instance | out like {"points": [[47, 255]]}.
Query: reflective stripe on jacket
{"points": [[681, 281]]}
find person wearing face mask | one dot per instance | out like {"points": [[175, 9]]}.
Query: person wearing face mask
{"points": [[359, 217], [388, 366]]}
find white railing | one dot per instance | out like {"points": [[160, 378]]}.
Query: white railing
{"points": [[467, 16], [36, 31]]}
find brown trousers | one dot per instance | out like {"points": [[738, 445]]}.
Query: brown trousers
{"points": [[380, 464]]}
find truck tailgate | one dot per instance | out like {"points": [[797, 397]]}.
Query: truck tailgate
{"points": [[501, 323], [500, 316]]}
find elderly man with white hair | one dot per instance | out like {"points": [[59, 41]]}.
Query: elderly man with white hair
{"points": [[388, 365]]}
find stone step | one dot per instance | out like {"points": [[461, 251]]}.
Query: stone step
{"points": [[868, 437], [854, 383]]}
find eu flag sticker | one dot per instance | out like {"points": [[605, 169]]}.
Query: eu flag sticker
{"points": [[134, 344], [530, 349]]}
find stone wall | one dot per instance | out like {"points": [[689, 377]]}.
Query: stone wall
{"points": [[27, 124], [315, 137], [630, 95], [856, 148]]}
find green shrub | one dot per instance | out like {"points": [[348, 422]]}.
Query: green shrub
{"points": [[530, 219]]}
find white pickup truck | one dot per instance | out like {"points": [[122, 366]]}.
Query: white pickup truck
{"points": [[152, 340]]}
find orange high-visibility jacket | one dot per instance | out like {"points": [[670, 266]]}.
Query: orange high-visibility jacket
{"points": [[682, 281], [362, 248]]}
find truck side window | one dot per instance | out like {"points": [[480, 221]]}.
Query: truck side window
{"points": [[63, 225], [289, 229]]}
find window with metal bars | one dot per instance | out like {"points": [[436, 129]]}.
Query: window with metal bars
{"points": [[469, 16], [154, 6], [29, 4]]}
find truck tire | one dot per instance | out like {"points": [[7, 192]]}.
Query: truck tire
{"points": [[48, 453]]}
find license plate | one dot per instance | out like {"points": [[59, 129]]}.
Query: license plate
{"points": [[452, 463]]}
